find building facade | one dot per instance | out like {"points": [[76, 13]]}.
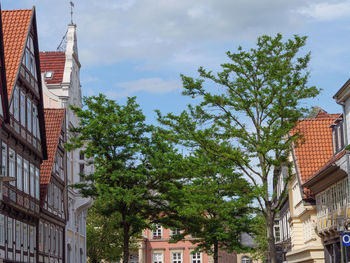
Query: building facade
{"points": [[53, 191], [61, 88], [309, 156], [23, 138], [157, 248]]}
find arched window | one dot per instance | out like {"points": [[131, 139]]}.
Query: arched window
{"points": [[246, 259]]}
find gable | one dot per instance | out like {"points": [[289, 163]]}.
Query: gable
{"points": [[54, 119], [23, 73]]}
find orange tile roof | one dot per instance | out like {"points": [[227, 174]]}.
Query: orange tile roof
{"points": [[15, 30], [53, 61], [315, 148], [53, 124]]}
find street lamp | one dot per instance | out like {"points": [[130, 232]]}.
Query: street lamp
{"points": [[2, 180]]}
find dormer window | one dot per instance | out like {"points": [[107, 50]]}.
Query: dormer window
{"points": [[338, 135], [48, 74]]}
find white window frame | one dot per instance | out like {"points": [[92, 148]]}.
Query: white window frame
{"points": [[157, 257], [176, 257], [196, 257], [157, 231]]}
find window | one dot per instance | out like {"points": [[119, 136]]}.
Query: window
{"points": [[175, 231], [12, 165], [32, 175], [26, 176], [277, 231], [4, 159], [9, 232], [2, 230], [15, 103], [81, 156], [48, 74], [157, 258], [41, 236], [29, 115], [18, 235], [196, 257], [19, 173], [246, 259], [37, 183], [134, 258], [157, 231], [31, 239], [25, 237], [176, 257]]}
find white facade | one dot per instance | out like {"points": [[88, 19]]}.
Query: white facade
{"points": [[61, 95]]}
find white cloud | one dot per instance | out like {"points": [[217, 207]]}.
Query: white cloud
{"points": [[327, 11], [149, 85]]}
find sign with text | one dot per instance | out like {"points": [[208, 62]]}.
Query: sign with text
{"points": [[345, 238]]}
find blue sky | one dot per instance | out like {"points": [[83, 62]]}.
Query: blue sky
{"points": [[139, 47]]}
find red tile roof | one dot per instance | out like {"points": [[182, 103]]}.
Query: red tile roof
{"points": [[54, 62], [15, 30], [53, 121], [315, 148]]}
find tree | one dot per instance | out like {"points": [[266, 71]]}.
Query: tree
{"points": [[213, 205], [133, 165], [104, 239], [246, 116]]}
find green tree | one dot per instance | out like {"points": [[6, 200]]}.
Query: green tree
{"points": [[246, 116], [104, 239], [132, 163], [213, 205]]}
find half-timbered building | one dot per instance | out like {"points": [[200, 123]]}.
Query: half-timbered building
{"points": [[23, 138], [53, 194]]}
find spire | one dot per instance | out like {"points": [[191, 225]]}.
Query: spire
{"points": [[71, 12]]}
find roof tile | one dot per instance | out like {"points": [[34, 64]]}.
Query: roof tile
{"points": [[15, 29], [315, 147], [53, 61]]}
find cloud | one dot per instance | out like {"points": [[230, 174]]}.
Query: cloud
{"points": [[149, 85], [327, 11], [111, 31]]}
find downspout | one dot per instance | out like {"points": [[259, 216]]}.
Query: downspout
{"points": [[347, 159]]}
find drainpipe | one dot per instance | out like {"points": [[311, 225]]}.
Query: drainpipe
{"points": [[347, 159]]}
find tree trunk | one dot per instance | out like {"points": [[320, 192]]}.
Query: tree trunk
{"points": [[270, 234], [216, 252], [126, 239]]}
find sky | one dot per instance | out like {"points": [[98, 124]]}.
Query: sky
{"points": [[140, 47]]}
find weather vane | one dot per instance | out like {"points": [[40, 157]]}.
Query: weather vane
{"points": [[71, 11]]}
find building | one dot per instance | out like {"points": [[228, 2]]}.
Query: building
{"points": [[23, 138], [61, 88], [156, 248], [53, 190], [313, 152]]}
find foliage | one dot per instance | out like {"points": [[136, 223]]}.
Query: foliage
{"points": [[133, 165], [104, 240], [246, 116], [212, 206]]}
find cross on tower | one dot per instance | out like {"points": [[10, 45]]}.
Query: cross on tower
{"points": [[71, 11]]}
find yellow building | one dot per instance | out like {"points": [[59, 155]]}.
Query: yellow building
{"points": [[313, 152]]}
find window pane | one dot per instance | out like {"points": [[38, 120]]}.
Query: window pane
{"points": [[29, 115], [12, 164], [4, 159], [23, 109], [26, 176], [19, 173], [16, 104]]}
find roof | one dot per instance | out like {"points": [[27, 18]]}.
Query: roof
{"points": [[324, 168], [53, 61], [15, 30], [54, 121], [315, 148]]}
